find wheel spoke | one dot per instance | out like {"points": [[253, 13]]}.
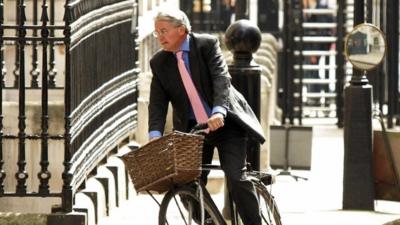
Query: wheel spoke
{"points": [[269, 211], [181, 212], [181, 207]]}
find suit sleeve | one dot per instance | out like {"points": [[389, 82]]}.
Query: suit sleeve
{"points": [[158, 105], [219, 74]]}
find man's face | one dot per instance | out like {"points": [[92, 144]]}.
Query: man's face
{"points": [[169, 36]]}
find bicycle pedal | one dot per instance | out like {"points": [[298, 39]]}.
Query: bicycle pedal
{"points": [[209, 221], [266, 179]]}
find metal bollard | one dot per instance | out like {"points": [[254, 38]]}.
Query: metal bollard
{"points": [[243, 38]]}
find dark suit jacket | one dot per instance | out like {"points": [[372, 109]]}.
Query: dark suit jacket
{"points": [[210, 76]]}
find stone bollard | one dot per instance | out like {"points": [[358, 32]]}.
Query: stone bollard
{"points": [[266, 57]]}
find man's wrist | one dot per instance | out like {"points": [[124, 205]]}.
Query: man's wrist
{"points": [[219, 109], [154, 134]]}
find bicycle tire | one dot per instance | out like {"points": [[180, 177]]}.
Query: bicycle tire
{"points": [[268, 207], [173, 212]]}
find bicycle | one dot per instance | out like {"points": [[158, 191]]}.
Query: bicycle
{"points": [[179, 203]]}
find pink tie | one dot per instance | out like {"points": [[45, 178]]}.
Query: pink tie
{"points": [[195, 101]]}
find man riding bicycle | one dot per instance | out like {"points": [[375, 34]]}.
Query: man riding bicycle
{"points": [[190, 73]]}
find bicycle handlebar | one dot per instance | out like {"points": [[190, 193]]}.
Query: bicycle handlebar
{"points": [[199, 128]]}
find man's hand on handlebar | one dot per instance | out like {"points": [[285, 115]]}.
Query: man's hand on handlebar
{"points": [[215, 121]]}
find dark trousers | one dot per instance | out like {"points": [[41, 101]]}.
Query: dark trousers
{"points": [[231, 141]]}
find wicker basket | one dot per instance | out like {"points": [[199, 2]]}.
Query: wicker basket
{"points": [[172, 159]]}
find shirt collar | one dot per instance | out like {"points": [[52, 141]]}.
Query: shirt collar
{"points": [[185, 44]]}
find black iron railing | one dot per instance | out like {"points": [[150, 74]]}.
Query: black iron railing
{"points": [[98, 77], [384, 78], [2, 73], [392, 37]]}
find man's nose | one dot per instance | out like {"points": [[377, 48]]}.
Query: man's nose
{"points": [[161, 37]]}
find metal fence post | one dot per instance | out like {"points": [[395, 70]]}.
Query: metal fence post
{"points": [[67, 192]]}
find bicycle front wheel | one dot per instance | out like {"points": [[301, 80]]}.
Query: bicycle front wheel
{"points": [[181, 206], [268, 208]]}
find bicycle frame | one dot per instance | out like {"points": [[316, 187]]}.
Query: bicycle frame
{"points": [[195, 194]]}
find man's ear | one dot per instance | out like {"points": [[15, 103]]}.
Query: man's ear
{"points": [[182, 30]]}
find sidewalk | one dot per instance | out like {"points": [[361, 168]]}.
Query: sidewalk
{"points": [[317, 200]]}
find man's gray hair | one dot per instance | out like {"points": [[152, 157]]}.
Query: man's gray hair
{"points": [[175, 16]]}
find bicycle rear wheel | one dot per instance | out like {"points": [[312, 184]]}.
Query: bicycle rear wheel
{"points": [[268, 208], [181, 206]]}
